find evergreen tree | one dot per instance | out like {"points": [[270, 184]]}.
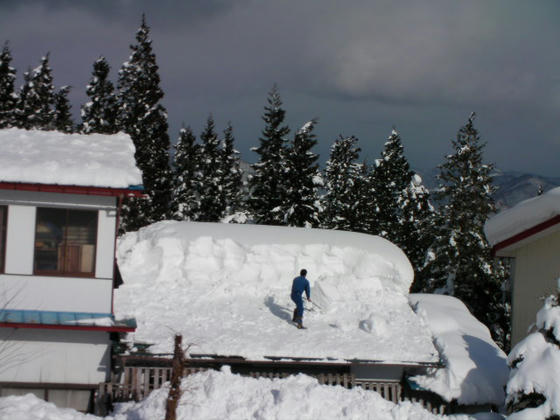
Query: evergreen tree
{"points": [[231, 175], [36, 99], [62, 117], [460, 261], [99, 115], [391, 176], [186, 172], [342, 185], [142, 116], [268, 189], [209, 183], [304, 179], [8, 97]]}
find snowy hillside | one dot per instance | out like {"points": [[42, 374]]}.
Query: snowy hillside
{"points": [[226, 289]]}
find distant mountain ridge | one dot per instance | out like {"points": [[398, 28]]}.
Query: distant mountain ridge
{"points": [[513, 186]]}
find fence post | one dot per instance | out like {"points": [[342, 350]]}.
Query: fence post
{"points": [[176, 374]]}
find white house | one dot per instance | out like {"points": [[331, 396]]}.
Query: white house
{"points": [[529, 233], [60, 197]]}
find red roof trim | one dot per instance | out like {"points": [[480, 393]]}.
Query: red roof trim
{"points": [[526, 233], [66, 327], [71, 189]]}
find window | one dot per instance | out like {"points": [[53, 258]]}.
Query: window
{"points": [[65, 242], [3, 219]]}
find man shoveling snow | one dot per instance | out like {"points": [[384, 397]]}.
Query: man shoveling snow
{"points": [[300, 285]]}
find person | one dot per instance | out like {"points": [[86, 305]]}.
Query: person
{"points": [[300, 285]]}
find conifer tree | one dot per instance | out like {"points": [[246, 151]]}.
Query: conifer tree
{"points": [[231, 175], [365, 206], [186, 173], [36, 99], [342, 185], [391, 176], [302, 207], [460, 262], [8, 97], [142, 116], [99, 114], [62, 117], [209, 183], [268, 184]]}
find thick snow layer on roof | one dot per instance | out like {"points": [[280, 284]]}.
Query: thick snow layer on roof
{"points": [[226, 289], [50, 157], [476, 369], [523, 216], [535, 365], [225, 396]]}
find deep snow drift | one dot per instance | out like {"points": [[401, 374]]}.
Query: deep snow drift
{"points": [[214, 395], [476, 368], [226, 289], [50, 157]]}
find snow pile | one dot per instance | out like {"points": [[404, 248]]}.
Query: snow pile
{"points": [[475, 367], [222, 395], [523, 216], [535, 375], [226, 289], [50, 157]]}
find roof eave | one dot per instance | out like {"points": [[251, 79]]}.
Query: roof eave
{"points": [[132, 191]]}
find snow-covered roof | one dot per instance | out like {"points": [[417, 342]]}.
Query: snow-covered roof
{"points": [[226, 288], [522, 217], [476, 368], [54, 158]]}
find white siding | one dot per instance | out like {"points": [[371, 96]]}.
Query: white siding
{"points": [[537, 266], [105, 255], [20, 239], [46, 293], [33, 355]]}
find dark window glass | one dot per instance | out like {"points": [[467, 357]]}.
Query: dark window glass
{"points": [[3, 219], [65, 242]]}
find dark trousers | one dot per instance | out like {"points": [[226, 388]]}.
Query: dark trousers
{"points": [[298, 313]]}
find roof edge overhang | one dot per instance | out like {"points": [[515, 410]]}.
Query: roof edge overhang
{"points": [[67, 327], [132, 191], [501, 248]]}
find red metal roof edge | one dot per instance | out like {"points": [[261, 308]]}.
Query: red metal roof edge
{"points": [[526, 233], [67, 327], [71, 189]]}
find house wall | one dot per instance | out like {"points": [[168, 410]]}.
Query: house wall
{"points": [[22, 290], [537, 267]]}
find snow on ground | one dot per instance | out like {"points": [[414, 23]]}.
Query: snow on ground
{"points": [[535, 365], [476, 368], [50, 157], [214, 395], [523, 216], [226, 289]]}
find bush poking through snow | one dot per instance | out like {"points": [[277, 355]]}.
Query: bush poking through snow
{"points": [[533, 389]]}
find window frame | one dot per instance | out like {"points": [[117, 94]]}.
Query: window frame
{"points": [[57, 273], [3, 237]]}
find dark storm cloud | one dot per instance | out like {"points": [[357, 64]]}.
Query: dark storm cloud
{"points": [[360, 66]]}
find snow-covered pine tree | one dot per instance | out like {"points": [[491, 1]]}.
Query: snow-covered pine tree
{"points": [[342, 186], [231, 175], [36, 98], [186, 170], [459, 262], [365, 207], [267, 185], [62, 117], [8, 97], [209, 184], [99, 114], [391, 176], [142, 116], [304, 180]]}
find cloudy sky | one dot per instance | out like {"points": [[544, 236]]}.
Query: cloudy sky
{"points": [[360, 66]]}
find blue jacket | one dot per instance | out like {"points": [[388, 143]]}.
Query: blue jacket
{"points": [[300, 285]]}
